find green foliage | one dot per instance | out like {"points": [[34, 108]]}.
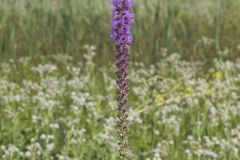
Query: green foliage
{"points": [[57, 109], [57, 97], [61, 26]]}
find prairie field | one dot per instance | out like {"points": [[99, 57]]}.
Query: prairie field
{"points": [[198, 30], [58, 82]]}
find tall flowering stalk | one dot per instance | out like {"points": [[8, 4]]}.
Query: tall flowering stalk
{"points": [[122, 21]]}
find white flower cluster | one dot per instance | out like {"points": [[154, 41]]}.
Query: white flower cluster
{"points": [[65, 110]]}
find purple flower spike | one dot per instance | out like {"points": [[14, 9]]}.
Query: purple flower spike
{"points": [[121, 24]]}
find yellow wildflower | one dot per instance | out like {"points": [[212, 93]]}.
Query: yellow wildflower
{"points": [[159, 97], [189, 90], [218, 75]]}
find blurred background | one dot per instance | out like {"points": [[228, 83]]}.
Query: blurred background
{"points": [[198, 30], [57, 83]]}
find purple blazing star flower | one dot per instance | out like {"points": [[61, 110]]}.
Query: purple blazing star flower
{"points": [[121, 24]]}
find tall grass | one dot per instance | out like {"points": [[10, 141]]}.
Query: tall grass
{"points": [[46, 27]]}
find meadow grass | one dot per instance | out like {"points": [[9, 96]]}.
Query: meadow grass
{"points": [[61, 26], [57, 95]]}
